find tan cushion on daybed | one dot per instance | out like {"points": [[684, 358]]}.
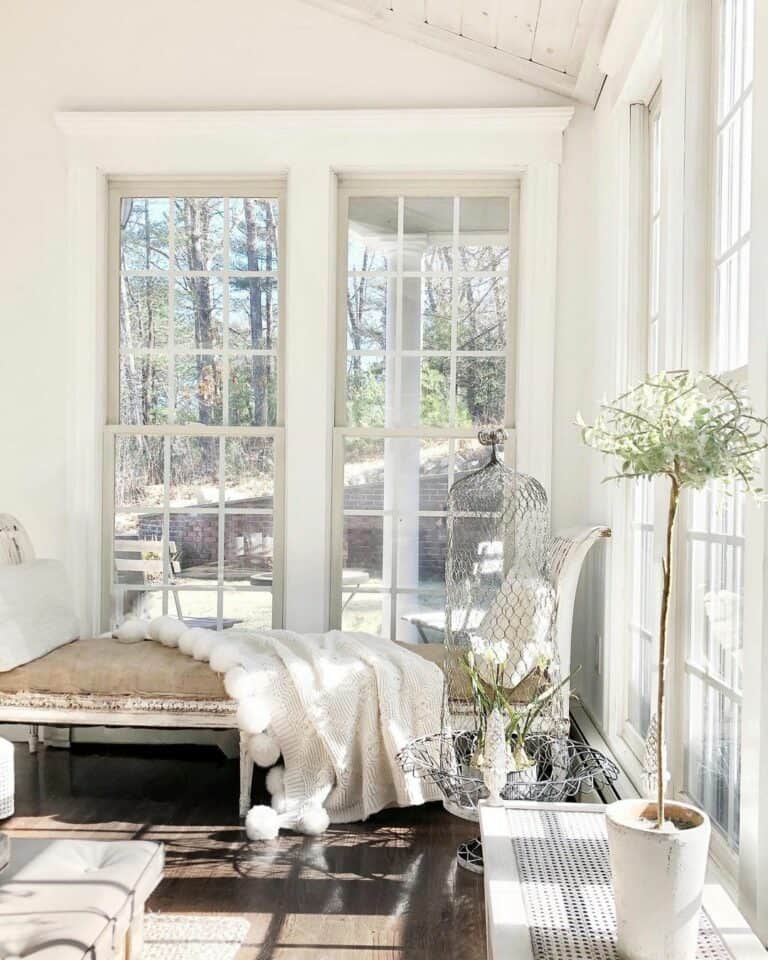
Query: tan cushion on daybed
{"points": [[104, 667], [524, 692]]}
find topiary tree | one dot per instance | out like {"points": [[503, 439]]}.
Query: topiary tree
{"points": [[691, 429]]}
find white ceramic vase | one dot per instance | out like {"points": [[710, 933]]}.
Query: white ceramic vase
{"points": [[658, 879]]}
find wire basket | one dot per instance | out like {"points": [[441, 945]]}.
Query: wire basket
{"points": [[560, 769]]}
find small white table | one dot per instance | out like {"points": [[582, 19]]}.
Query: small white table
{"points": [[531, 919]]}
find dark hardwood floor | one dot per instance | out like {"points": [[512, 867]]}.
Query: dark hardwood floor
{"points": [[387, 888]]}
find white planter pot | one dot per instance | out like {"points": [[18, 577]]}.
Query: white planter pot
{"points": [[658, 879]]}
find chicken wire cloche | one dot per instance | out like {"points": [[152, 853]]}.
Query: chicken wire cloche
{"points": [[498, 597], [501, 658]]}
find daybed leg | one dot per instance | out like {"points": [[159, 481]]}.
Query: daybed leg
{"points": [[33, 737], [134, 937], [246, 775]]}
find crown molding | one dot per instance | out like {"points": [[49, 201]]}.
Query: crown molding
{"points": [[84, 123]]}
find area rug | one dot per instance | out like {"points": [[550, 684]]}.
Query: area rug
{"points": [[170, 936]]}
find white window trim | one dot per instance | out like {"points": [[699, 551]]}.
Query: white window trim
{"points": [[310, 149]]}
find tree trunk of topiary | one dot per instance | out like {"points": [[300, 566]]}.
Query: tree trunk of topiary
{"points": [[674, 497]]}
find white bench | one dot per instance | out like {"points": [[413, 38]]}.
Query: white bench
{"points": [[77, 899]]}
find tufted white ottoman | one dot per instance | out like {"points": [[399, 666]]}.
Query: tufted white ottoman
{"points": [[6, 779], [76, 899]]}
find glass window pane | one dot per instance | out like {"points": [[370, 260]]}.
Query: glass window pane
{"points": [[365, 612], [194, 473], [197, 608], [195, 537], [372, 237], [427, 312], [143, 389], [249, 478], [128, 603], [366, 391], [480, 390], [249, 550], [421, 617], [248, 609], [363, 549], [143, 312], [714, 755], [425, 391], [483, 313], [253, 313], [370, 313], [420, 551], [199, 233], [484, 233], [253, 234], [197, 312], [428, 234], [434, 460], [139, 471], [198, 389], [364, 473], [144, 233], [139, 549], [253, 391]]}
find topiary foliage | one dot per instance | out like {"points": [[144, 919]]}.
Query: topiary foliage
{"points": [[692, 429]]}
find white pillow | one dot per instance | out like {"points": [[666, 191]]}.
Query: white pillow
{"points": [[521, 614], [36, 611]]}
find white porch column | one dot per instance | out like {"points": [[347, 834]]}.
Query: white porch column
{"points": [[308, 392], [537, 285]]}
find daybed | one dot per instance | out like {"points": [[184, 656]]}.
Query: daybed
{"points": [[103, 682]]}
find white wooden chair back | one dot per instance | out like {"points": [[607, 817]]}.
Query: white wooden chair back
{"points": [[150, 567], [15, 545], [566, 555], [137, 562]]}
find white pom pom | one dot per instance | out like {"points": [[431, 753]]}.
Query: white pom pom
{"points": [[170, 631], [253, 715], [263, 749], [156, 625], [188, 639], [279, 802], [204, 644], [132, 630], [276, 780], [240, 684], [224, 656], [262, 823], [313, 820]]}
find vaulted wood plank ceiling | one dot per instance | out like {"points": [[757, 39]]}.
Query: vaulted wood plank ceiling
{"points": [[554, 44]]}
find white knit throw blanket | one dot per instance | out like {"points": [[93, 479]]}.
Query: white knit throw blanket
{"points": [[337, 706]]}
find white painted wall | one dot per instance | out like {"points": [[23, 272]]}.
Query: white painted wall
{"points": [[177, 54]]}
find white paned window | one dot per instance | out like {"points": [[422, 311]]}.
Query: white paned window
{"points": [[655, 259], [733, 151], [644, 585], [193, 448], [425, 293], [715, 531]]}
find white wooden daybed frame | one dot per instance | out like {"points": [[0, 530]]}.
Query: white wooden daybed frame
{"points": [[43, 709]]}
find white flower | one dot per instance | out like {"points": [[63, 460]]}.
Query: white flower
{"points": [[494, 652]]}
